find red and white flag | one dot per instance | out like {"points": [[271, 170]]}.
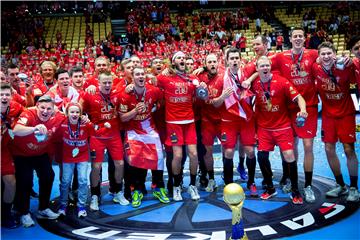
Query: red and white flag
{"points": [[144, 150]]}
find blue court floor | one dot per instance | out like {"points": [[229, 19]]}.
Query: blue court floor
{"points": [[348, 228]]}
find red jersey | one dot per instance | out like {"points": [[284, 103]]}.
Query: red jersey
{"points": [[281, 91], [179, 92], [128, 102], [232, 113], [74, 136], [40, 88], [215, 87], [297, 69], [8, 119], [28, 145], [101, 109], [335, 97], [356, 62]]}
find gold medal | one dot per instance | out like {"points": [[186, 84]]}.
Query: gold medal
{"points": [[268, 105], [303, 74]]}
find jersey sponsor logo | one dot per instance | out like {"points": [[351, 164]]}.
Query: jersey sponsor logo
{"points": [[334, 96]]}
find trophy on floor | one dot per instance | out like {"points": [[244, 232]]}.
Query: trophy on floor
{"points": [[234, 197]]}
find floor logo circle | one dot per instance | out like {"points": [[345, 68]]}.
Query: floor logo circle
{"points": [[209, 218]]}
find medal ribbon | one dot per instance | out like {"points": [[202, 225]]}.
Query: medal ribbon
{"points": [[3, 118], [267, 92], [73, 134], [142, 97], [107, 100], [299, 59], [330, 74]]}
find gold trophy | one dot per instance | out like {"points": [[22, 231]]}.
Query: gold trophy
{"points": [[234, 197]]}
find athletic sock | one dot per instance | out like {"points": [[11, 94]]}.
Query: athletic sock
{"points": [[293, 176], [354, 181], [308, 178], [177, 180], [228, 170], [340, 180], [211, 174], [241, 162], [251, 165]]}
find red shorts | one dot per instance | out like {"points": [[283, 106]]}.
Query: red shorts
{"points": [[230, 131], [334, 129], [209, 131], [310, 127], [180, 134], [113, 145], [269, 138], [7, 163]]}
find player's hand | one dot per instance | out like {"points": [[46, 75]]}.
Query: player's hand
{"points": [[40, 129], [129, 88], [246, 84], [91, 89], [202, 84], [198, 71], [140, 107], [84, 119], [227, 92], [303, 114]]}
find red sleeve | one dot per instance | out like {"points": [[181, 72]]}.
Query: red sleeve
{"points": [[275, 62]]}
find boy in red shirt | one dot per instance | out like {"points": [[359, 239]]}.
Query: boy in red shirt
{"points": [[338, 118]]}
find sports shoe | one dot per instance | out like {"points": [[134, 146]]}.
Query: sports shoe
{"points": [[309, 194], [136, 198], [119, 198], [161, 194], [337, 191], [94, 204], [10, 222], [27, 221], [193, 191], [211, 186], [268, 193], [82, 212], [203, 181], [285, 186], [296, 198], [177, 194], [253, 190], [242, 172], [62, 210], [47, 214], [353, 195]]}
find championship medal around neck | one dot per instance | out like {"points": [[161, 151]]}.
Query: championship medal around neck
{"points": [[75, 152], [303, 74]]}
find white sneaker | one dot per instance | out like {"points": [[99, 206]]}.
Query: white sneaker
{"points": [[82, 212], [309, 194], [94, 204], [27, 221], [177, 194], [337, 191], [119, 198], [47, 214], [192, 190], [353, 195], [286, 188], [62, 210], [211, 186]]}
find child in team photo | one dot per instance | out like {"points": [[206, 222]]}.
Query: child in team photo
{"points": [[74, 136]]}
